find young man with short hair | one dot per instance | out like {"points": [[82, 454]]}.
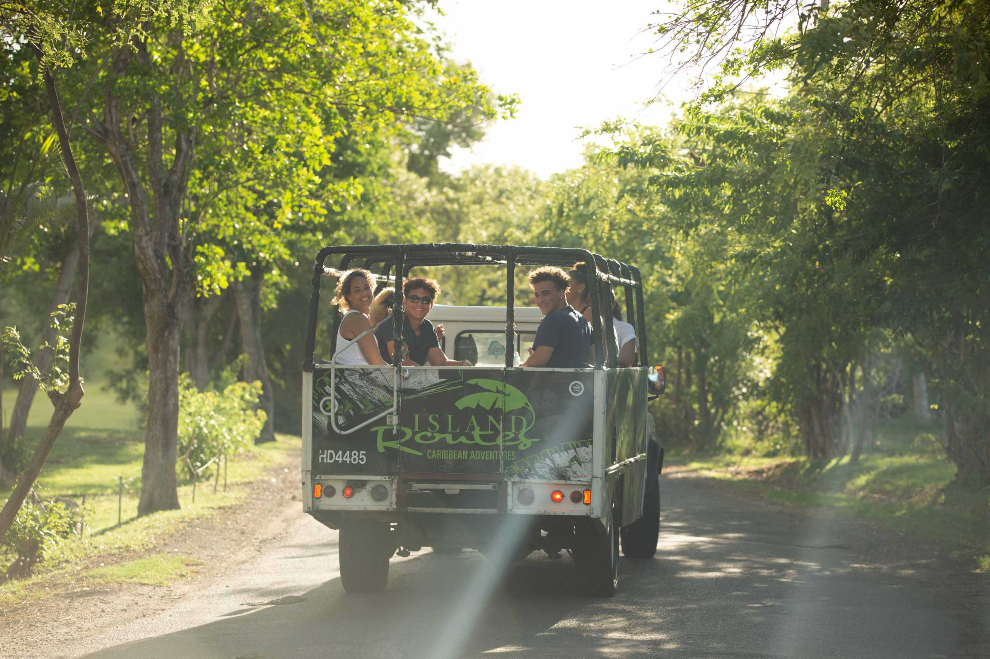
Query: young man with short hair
{"points": [[564, 336]]}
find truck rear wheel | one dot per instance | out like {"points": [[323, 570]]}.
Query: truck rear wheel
{"points": [[364, 552], [597, 556], [639, 539]]}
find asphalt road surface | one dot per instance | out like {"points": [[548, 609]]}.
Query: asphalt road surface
{"points": [[732, 578]]}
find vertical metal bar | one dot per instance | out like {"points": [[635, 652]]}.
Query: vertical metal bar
{"points": [[640, 318], [398, 316], [596, 320], [630, 314], [314, 305], [607, 314], [510, 310]]}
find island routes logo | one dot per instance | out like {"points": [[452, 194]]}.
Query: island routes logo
{"points": [[479, 429], [484, 427]]}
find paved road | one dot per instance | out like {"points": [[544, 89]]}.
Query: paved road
{"points": [[733, 578]]}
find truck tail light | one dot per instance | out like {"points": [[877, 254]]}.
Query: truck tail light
{"points": [[348, 492], [557, 496], [317, 491], [576, 496], [525, 496], [587, 497], [329, 491]]}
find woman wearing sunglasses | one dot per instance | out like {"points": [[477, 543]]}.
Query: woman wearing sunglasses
{"points": [[418, 333]]}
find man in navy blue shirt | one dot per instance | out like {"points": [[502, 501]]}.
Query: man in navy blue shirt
{"points": [[417, 332], [564, 335]]}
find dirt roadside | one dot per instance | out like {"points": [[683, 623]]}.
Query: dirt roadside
{"points": [[76, 618]]}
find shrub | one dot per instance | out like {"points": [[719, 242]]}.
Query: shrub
{"points": [[212, 424], [36, 531]]}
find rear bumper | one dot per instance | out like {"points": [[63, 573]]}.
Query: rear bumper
{"points": [[441, 495]]}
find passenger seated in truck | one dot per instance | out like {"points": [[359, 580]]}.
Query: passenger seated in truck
{"points": [[418, 333], [625, 335], [579, 297], [563, 338], [354, 294]]}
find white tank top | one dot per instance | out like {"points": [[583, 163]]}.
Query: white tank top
{"points": [[348, 352]]}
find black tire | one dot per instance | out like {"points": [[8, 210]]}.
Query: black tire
{"points": [[639, 539], [364, 553], [597, 556]]}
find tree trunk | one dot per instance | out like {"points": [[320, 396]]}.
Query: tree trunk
{"points": [[43, 358], [65, 404], [819, 414], [159, 250], [677, 377], [919, 387], [858, 417], [159, 488], [703, 429], [3, 470], [199, 315], [247, 296]]}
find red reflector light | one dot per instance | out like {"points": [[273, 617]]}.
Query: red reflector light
{"points": [[348, 492], [587, 497], [576, 496], [317, 491], [557, 496]]}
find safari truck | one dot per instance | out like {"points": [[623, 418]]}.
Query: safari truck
{"points": [[493, 457]]}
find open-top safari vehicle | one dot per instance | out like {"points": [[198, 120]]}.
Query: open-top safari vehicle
{"points": [[503, 459]]}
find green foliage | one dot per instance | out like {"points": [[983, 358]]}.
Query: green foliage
{"points": [[55, 378], [214, 423], [38, 528]]}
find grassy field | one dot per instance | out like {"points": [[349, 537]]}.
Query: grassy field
{"points": [[100, 448], [904, 482]]}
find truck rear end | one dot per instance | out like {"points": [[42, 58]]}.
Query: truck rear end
{"points": [[453, 444]]}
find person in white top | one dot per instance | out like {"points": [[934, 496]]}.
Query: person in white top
{"points": [[355, 292], [579, 296], [625, 337]]}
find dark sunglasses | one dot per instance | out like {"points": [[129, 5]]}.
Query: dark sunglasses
{"points": [[417, 299]]}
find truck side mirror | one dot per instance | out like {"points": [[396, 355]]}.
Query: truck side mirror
{"points": [[656, 381]]}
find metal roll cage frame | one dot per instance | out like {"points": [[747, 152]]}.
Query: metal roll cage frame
{"points": [[402, 258]]}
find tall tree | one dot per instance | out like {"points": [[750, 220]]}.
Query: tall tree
{"points": [[207, 102], [42, 30]]}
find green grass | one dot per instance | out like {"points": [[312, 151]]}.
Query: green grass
{"points": [[94, 450], [102, 539], [156, 570], [99, 410], [904, 482]]}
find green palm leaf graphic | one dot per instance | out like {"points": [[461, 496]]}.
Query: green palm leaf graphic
{"points": [[498, 395]]}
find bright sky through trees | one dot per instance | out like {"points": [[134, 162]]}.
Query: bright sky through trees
{"points": [[573, 64]]}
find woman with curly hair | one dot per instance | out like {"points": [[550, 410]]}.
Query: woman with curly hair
{"points": [[355, 291]]}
